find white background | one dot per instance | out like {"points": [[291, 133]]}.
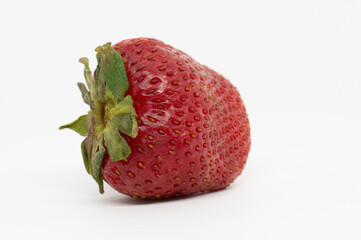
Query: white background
{"points": [[297, 65]]}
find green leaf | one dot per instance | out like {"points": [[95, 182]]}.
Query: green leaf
{"points": [[123, 117], [86, 149], [84, 93], [87, 74], [99, 84], [111, 70], [81, 125], [118, 149], [96, 163], [126, 123], [111, 113], [125, 106], [96, 169]]}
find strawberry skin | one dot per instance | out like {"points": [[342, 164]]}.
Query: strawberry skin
{"points": [[193, 129]]}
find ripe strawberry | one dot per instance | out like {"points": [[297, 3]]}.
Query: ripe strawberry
{"points": [[182, 128]]}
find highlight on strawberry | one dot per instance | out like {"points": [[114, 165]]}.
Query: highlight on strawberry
{"points": [[160, 124]]}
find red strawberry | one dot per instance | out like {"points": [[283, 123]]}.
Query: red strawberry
{"points": [[182, 128]]}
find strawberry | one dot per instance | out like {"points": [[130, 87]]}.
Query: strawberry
{"points": [[160, 124]]}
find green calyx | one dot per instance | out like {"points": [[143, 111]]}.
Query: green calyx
{"points": [[111, 112]]}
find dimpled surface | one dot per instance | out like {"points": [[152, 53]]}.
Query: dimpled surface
{"points": [[194, 133]]}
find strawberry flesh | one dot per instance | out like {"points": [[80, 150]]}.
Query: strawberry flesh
{"points": [[193, 129]]}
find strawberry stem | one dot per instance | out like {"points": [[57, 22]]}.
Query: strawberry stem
{"points": [[111, 114]]}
